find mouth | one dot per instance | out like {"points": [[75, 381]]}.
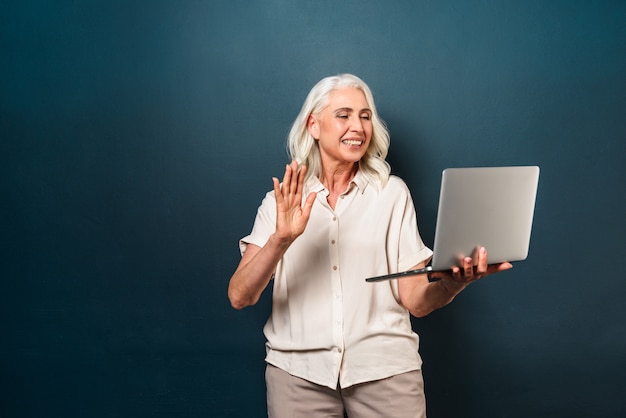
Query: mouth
{"points": [[353, 142]]}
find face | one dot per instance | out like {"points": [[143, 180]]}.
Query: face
{"points": [[343, 128]]}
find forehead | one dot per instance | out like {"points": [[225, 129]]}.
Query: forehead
{"points": [[348, 97]]}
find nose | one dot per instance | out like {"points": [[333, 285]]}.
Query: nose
{"points": [[356, 124]]}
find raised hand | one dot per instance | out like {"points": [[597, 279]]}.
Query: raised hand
{"points": [[291, 215]]}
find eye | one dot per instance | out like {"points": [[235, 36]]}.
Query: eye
{"points": [[342, 115], [366, 116]]}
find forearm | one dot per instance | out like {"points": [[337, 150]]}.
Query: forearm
{"points": [[430, 296], [255, 272]]}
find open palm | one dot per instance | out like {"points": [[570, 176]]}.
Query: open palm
{"points": [[291, 215]]}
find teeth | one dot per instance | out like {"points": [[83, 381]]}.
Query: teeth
{"points": [[352, 142]]}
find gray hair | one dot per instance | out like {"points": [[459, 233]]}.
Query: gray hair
{"points": [[305, 150]]}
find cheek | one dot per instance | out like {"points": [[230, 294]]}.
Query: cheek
{"points": [[330, 127], [339, 126]]}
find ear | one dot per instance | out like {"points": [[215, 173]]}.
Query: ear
{"points": [[313, 127]]}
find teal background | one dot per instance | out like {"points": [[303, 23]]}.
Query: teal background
{"points": [[138, 138]]}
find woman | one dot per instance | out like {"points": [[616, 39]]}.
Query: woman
{"points": [[334, 342]]}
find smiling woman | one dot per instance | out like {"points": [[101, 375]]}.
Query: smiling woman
{"points": [[336, 219]]}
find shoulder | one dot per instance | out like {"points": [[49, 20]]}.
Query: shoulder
{"points": [[268, 203], [395, 185], [397, 193]]}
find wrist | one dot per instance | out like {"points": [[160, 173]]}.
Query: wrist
{"points": [[451, 286], [280, 243]]}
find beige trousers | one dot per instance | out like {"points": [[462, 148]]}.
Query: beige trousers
{"points": [[400, 396]]}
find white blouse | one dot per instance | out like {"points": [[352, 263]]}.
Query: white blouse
{"points": [[327, 324]]}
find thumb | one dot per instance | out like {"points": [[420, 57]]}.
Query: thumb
{"points": [[308, 204]]}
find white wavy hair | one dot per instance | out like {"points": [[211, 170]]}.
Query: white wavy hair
{"points": [[304, 149]]}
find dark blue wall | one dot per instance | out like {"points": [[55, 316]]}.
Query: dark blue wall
{"points": [[138, 138]]}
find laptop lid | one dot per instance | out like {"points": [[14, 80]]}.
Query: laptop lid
{"points": [[489, 207]]}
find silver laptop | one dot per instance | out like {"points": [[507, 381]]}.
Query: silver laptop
{"points": [[489, 207]]}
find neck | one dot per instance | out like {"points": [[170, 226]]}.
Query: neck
{"points": [[337, 179]]}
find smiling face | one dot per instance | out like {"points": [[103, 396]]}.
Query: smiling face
{"points": [[343, 129]]}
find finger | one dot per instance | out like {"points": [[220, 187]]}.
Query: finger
{"points": [[481, 267], [495, 268], [286, 180], [468, 267], [301, 177], [308, 204], [277, 189], [456, 273], [294, 178]]}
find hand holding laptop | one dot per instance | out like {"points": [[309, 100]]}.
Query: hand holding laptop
{"points": [[470, 271]]}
